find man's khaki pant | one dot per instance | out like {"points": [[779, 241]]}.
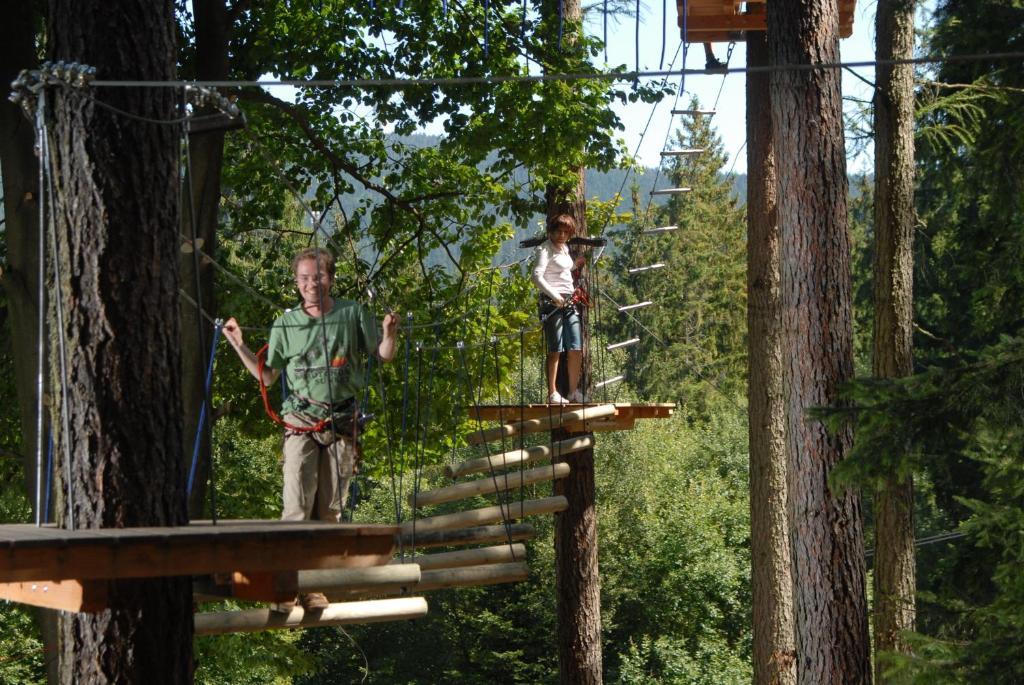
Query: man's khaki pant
{"points": [[318, 468]]}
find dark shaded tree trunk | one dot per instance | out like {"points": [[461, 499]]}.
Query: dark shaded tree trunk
{"points": [[894, 572], [116, 187], [826, 529], [202, 201], [774, 648], [21, 227], [577, 578]]}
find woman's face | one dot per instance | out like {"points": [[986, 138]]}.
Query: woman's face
{"points": [[559, 235]]}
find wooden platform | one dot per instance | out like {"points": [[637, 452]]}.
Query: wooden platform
{"points": [[57, 568], [624, 418], [715, 21]]}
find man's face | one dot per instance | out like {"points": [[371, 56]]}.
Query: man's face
{"points": [[313, 286]]}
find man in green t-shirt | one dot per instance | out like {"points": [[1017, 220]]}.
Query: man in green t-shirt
{"points": [[322, 346]]}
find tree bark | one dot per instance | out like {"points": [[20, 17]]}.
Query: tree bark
{"points": [[826, 528], [894, 572], [774, 647], [202, 201], [117, 222]]}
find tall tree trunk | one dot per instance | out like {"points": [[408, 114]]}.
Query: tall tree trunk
{"points": [[895, 577], [577, 578], [21, 227], [201, 211], [771, 582], [826, 528], [117, 223]]}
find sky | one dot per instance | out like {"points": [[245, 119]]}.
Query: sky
{"points": [[730, 118]]}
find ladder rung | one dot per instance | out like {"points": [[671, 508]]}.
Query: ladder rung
{"points": [[638, 305], [663, 229], [624, 343], [690, 151], [693, 112], [671, 191], [615, 379], [638, 269]]}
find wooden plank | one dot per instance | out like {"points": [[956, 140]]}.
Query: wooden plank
{"points": [[197, 549], [488, 485], [499, 512], [479, 535], [505, 460], [551, 417], [345, 613], [86, 596], [499, 554]]}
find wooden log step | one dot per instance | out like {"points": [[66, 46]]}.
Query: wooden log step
{"points": [[358, 579], [342, 613], [498, 554], [506, 460], [488, 485], [480, 535], [498, 512], [556, 418], [472, 576]]}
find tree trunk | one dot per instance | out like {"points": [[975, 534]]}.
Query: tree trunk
{"points": [[577, 579], [116, 187], [894, 572], [21, 228], [202, 200], [826, 528], [771, 583]]}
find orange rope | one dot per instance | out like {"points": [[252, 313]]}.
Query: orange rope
{"points": [[261, 361]]}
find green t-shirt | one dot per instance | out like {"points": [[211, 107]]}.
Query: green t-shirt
{"points": [[297, 347]]}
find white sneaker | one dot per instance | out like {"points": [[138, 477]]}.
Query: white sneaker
{"points": [[555, 398], [577, 397]]}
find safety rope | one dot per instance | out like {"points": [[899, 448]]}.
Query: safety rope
{"points": [[201, 424]]}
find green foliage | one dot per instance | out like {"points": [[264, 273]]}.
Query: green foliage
{"points": [[22, 655], [272, 658], [674, 542]]}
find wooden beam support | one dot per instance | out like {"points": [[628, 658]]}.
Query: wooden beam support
{"points": [[480, 535], [86, 596], [343, 613], [506, 460], [499, 554], [276, 586], [554, 418], [488, 485], [500, 512]]}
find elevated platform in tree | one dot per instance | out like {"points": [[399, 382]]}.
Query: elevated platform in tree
{"points": [[64, 569], [574, 418], [710, 21]]}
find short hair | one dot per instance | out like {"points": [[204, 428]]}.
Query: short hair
{"points": [[325, 260], [562, 220]]}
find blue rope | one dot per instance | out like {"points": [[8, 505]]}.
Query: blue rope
{"points": [[217, 327], [604, 15], [487, 14], [664, 21]]}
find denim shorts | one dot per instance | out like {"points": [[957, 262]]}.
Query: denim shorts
{"points": [[562, 328]]}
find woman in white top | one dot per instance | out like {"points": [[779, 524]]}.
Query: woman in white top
{"points": [[552, 274]]}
